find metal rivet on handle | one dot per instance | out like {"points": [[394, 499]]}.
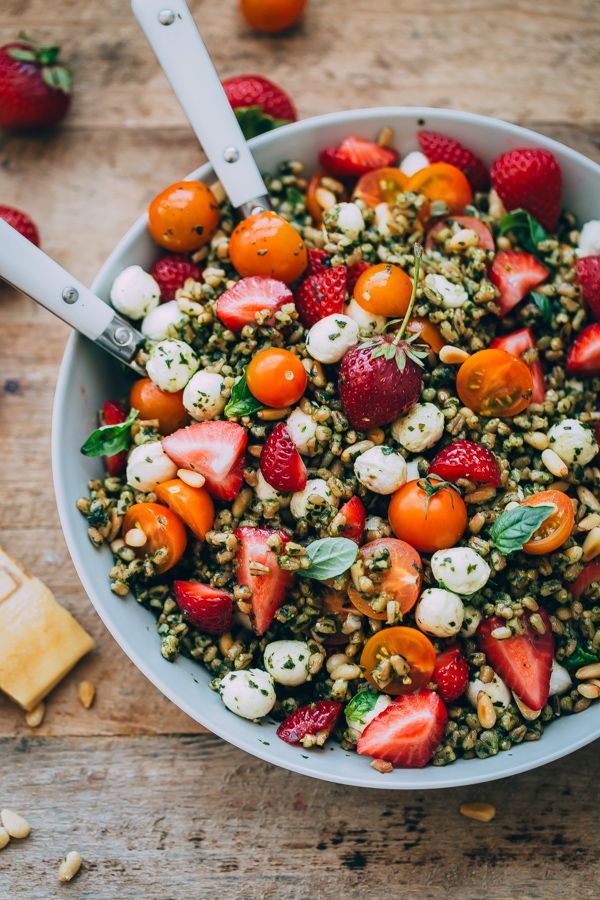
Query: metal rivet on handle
{"points": [[166, 17], [70, 295], [231, 154], [122, 336]]}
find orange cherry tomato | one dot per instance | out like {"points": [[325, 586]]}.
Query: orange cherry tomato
{"points": [[428, 513], [192, 504], [184, 216], [486, 240], [383, 290], [557, 528], [265, 244], [276, 377], [428, 333], [271, 16], [442, 182], [381, 186], [495, 383], [416, 651], [152, 403], [402, 581], [163, 529], [312, 203]]}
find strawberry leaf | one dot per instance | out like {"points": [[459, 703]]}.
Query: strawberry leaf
{"points": [[516, 526], [57, 77], [22, 55]]}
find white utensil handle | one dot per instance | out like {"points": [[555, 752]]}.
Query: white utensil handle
{"points": [[172, 34]]}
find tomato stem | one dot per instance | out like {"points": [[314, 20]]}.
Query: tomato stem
{"points": [[418, 251]]}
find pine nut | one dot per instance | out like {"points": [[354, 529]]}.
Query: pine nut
{"points": [[274, 414], [481, 812], [4, 838], [355, 450], [476, 523], [588, 499], [591, 545], [486, 674], [486, 712], [325, 198], [561, 486], [452, 356], [536, 439], [588, 522], [529, 714], [192, 479], [496, 207], [377, 435], [501, 633], [589, 691], [69, 866], [382, 765], [574, 554], [346, 672], [225, 643], [16, 825], [35, 717], [135, 537], [481, 495], [463, 239], [385, 137], [591, 671], [335, 661], [86, 692], [554, 463]]}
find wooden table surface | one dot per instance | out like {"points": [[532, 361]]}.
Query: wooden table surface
{"points": [[155, 806]]}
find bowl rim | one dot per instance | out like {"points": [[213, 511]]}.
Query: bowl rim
{"points": [[405, 781]]}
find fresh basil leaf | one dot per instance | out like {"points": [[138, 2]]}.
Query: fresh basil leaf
{"points": [[330, 557], [241, 401], [580, 658], [517, 526], [110, 439], [360, 705], [544, 304], [526, 229], [294, 197]]}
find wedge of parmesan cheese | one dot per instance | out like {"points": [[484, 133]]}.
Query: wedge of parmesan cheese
{"points": [[39, 640]]}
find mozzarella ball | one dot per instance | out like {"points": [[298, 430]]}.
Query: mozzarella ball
{"points": [[302, 429], [368, 323], [171, 365], [453, 295], [383, 217], [573, 442], [496, 690], [202, 395], [420, 428], [329, 338], [148, 466], [381, 470], [156, 324], [287, 662], [589, 239], [357, 726], [560, 680], [471, 619], [345, 218], [460, 569], [413, 162], [248, 693], [439, 612], [299, 504], [134, 293], [263, 490]]}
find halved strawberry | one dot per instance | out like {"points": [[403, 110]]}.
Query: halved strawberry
{"points": [[239, 305], [354, 513], [315, 719], [515, 273], [588, 272], [451, 674], [113, 413], [354, 273], [583, 358], [441, 148], [588, 575], [355, 156], [466, 459], [524, 661], [322, 295], [215, 449], [268, 590], [280, 462], [206, 608], [318, 261], [407, 732], [517, 343]]}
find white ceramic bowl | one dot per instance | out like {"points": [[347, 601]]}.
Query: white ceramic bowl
{"points": [[88, 376]]}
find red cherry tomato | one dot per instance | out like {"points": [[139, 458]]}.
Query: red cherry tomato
{"points": [[401, 581], [428, 512]]}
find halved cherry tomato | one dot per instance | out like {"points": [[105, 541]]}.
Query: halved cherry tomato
{"points": [[312, 203], [402, 581], [558, 526], [429, 513], [589, 575], [517, 343], [265, 244], [383, 290], [163, 529], [428, 333], [412, 646], [486, 240], [442, 182], [194, 505], [495, 383], [276, 377], [335, 604], [381, 186], [152, 403], [184, 216]]}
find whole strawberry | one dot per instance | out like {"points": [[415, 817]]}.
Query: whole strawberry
{"points": [[529, 178], [322, 294], [171, 273], [259, 104], [21, 222], [451, 674], [466, 459], [440, 148], [588, 272], [34, 86]]}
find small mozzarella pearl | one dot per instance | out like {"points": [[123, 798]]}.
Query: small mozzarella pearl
{"points": [[263, 489], [134, 293], [148, 466], [560, 680], [302, 429], [471, 620], [453, 295], [439, 612], [202, 395], [171, 365], [248, 693], [496, 690], [381, 470], [420, 428], [345, 218], [156, 324], [287, 662], [359, 725], [573, 442], [330, 338], [589, 239], [299, 503], [368, 323], [413, 162], [460, 569]]}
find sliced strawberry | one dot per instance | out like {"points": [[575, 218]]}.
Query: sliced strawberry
{"points": [[355, 156], [529, 178], [440, 148], [486, 239], [113, 413], [466, 459], [239, 305], [354, 513], [268, 590], [215, 449], [588, 575], [315, 719], [318, 261], [515, 273], [517, 343], [206, 608], [524, 661], [588, 272], [407, 732], [354, 273], [451, 674], [322, 295], [583, 358], [280, 462], [171, 273]]}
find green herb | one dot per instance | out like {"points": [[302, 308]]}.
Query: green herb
{"points": [[294, 197], [242, 402], [527, 230], [517, 526], [110, 439], [330, 557], [254, 121], [544, 304], [360, 705], [580, 658]]}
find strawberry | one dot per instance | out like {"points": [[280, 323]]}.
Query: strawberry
{"points": [[407, 731], [113, 413], [515, 273], [280, 462], [259, 104], [524, 660], [239, 305], [171, 272], [355, 156], [584, 356], [268, 590], [440, 148], [206, 608], [322, 295], [354, 273], [451, 674], [355, 519], [21, 222], [588, 272], [34, 86], [315, 719], [318, 261], [466, 459], [588, 575], [529, 178], [517, 343], [215, 449]]}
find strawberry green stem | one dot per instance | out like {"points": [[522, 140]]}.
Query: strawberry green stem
{"points": [[418, 251]]}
